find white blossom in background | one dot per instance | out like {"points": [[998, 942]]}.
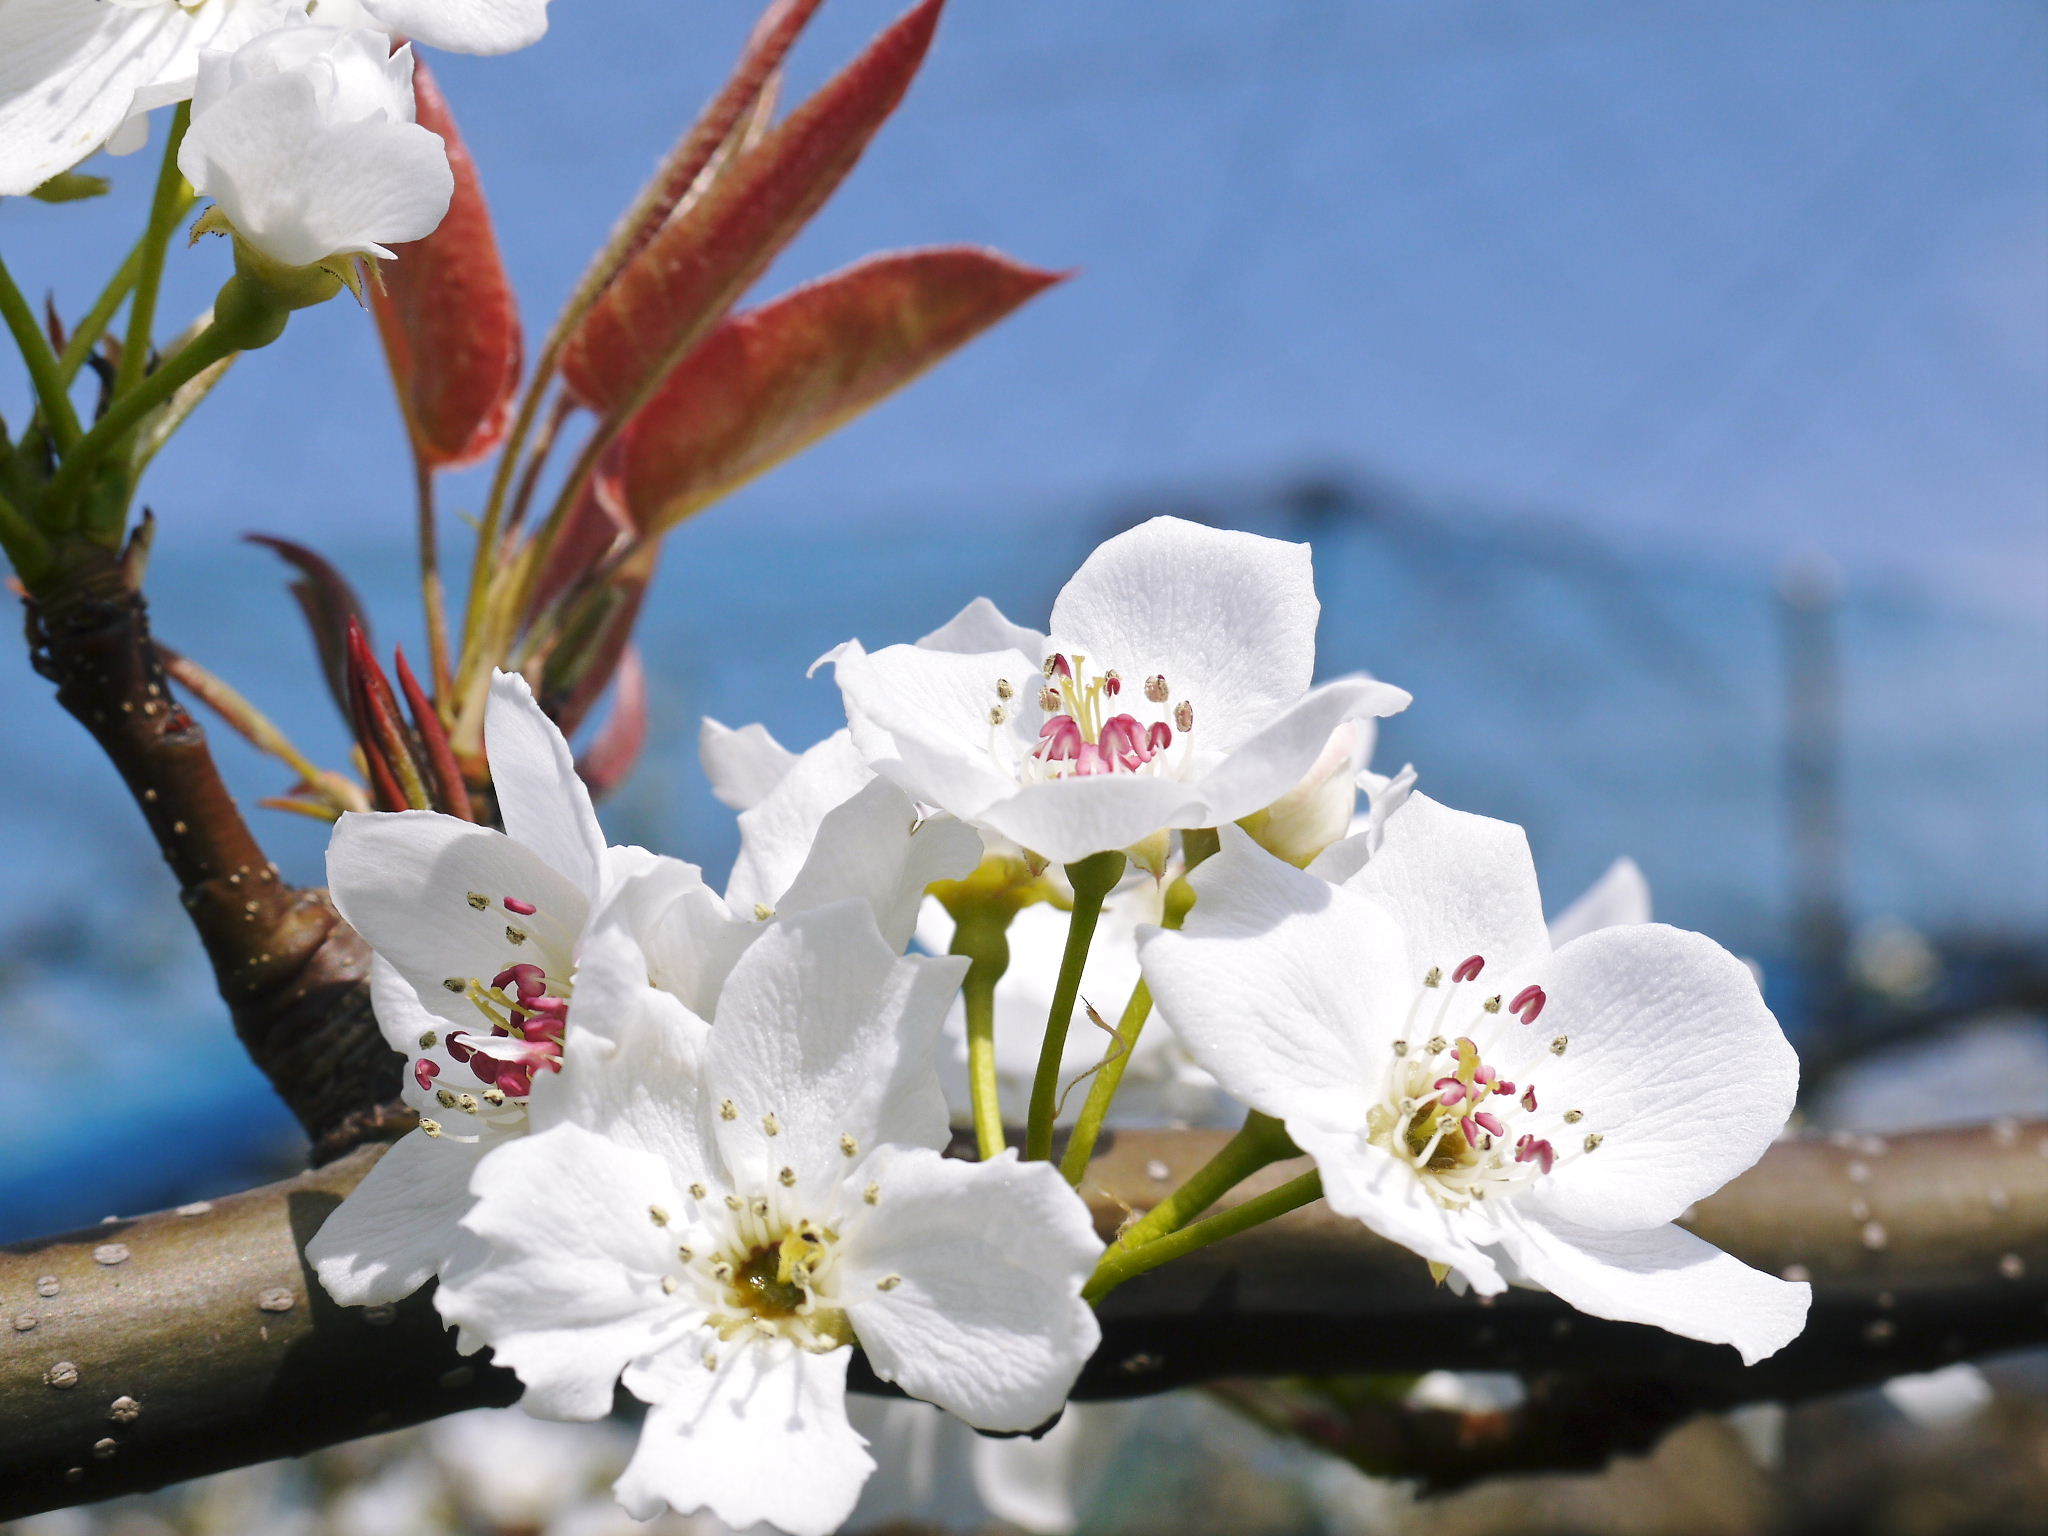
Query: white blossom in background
{"points": [[1509, 1112], [1173, 691], [715, 1211], [476, 936], [305, 141], [76, 75]]}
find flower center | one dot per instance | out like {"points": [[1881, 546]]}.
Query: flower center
{"points": [[1467, 1131], [527, 1012], [1091, 728]]}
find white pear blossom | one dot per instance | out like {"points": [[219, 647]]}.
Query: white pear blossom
{"points": [[476, 935], [305, 140], [715, 1212], [76, 75], [1173, 691], [1509, 1112]]}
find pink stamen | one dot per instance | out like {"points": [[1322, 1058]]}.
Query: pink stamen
{"points": [[1112, 684], [1061, 666], [1484, 1075], [1504, 1088], [1451, 1091], [1469, 968], [1530, 1150], [1491, 1123], [529, 980], [459, 1046], [1124, 737], [1060, 739], [1528, 1003], [425, 1071], [1093, 758], [523, 908], [1159, 736], [1471, 1131], [1529, 1098]]}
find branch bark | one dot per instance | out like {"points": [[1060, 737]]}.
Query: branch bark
{"points": [[200, 1341], [290, 970]]}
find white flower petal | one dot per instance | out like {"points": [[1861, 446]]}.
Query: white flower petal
{"points": [[1370, 1185], [981, 626], [1273, 760], [70, 72], [763, 1438], [390, 1235], [1458, 885], [1663, 1276], [465, 26], [824, 1027], [983, 1315], [744, 764], [1070, 818], [687, 938], [921, 719], [778, 830], [634, 1074], [572, 1289], [1273, 986], [1385, 795], [1674, 1059], [1229, 617], [872, 848], [404, 880], [543, 800], [1620, 896]]}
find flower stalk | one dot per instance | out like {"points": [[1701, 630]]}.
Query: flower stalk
{"points": [[981, 932], [1092, 878], [1122, 1263]]}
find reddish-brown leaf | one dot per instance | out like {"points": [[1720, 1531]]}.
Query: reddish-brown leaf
{"points": [[697, 265], [623, 736], [768, 383], [448, 315], [728, 116], [330, 605]]}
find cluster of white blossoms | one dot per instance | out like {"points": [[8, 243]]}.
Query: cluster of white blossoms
{"points": [[693, 1142], [302, 127]]}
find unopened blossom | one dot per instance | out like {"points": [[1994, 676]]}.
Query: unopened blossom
{"points": [[476, 935], [1173, 691], [715, 1211], [76, 75], [1508, 1111], [305, 141]]}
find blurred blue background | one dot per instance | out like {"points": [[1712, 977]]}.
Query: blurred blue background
{"points": [[1573, 335]]}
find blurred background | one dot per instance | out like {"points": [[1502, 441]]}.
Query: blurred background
{"points": [[1664, 390]]}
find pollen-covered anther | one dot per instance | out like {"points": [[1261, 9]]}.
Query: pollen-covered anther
{"points": [[888, 1282], [1184, 717], [698, 1191], [1557, 1046], [478, 900], [1005, 689], [1156, 689], [998, 714], [762, 911], [872, 1194], [848, 1147], [670, 1285], [787, 1178], [727, 1110], [770, 1125], [657, 1215]]}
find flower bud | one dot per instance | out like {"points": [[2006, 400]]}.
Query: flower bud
{"points": [[1317, 811], [305, 140]]}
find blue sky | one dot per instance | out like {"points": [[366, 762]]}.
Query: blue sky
{"points": [[1749, 278]]}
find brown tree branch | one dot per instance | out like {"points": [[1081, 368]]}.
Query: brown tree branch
{"points": [[289, 969], [198, 1340]]}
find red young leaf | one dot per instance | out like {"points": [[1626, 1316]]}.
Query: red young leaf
{"points": [[330, 605], [768, 383], [623, 736], [448, 315], [726, 116], [699, 263]]}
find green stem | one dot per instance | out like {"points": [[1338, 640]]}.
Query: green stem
{"points": [[26, 547], [164, 210], [245, 317], [981, 932], [1180, 897], [56, 405], [78, 346], [1262, 1140], [1121, 1263], [1093, 878]]}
